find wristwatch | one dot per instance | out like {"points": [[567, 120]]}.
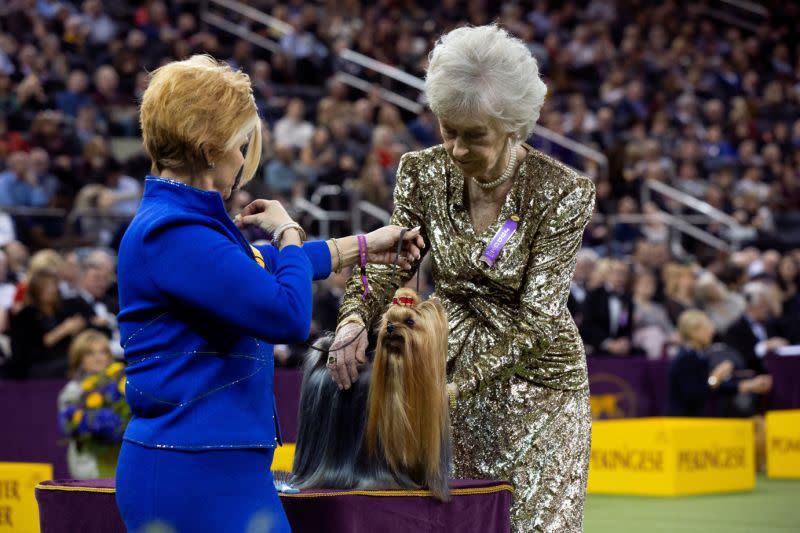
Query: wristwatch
{"points": [[713, 382]]}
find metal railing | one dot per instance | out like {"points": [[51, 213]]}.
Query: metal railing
{"points": [[383, 69], [743, 14], [745, 5], [581, 149], [280, 27], [321, 216], [240, 31], [736, 233], [254, 14], [386, 94], [675, 225], [324, 191]]}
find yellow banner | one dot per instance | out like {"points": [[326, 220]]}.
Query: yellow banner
{"points": [[671, 456], [18, 510], [783, 444]]}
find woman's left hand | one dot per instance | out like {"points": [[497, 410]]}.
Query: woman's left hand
{"points": [[382, 246]]}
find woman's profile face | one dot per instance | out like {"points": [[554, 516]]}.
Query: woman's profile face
{"points": [[228, 168], [476, 147]]}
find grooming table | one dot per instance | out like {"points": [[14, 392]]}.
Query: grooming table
{"points": [[67, 506]]}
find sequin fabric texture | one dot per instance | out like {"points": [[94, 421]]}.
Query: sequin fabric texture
{"points": [[514, 350]]}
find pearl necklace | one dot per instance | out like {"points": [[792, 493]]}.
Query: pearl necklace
{"points": [[507, 173]]}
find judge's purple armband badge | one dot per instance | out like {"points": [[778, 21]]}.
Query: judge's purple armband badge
{"points": [[499, 241]]}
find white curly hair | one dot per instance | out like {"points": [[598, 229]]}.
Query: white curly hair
{"points": [[483, 70]]}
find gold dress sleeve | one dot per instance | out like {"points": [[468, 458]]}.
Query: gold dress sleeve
{"points": [[384, 280], [523, 350]]}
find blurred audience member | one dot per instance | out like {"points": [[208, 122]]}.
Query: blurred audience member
{"points": [[692, 380], [753, 335], [652, 328], [293, 130], [721, 305], [89, 354], [608, 315], [43, 329], [579, 286], [679, 283]]}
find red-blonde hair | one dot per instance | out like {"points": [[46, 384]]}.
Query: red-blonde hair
{"points": [[195, 110]]}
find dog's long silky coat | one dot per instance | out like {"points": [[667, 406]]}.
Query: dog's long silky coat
{"points": [[392, 428]]}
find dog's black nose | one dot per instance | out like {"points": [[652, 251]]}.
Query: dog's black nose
{"points": [[389, 328]]}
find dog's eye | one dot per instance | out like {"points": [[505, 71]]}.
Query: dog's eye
{"points": [[409, 323]]}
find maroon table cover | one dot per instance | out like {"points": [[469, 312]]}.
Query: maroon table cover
{"points": [[67, 506], [785, 372]]}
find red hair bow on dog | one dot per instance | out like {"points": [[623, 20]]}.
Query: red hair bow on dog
{"points": [[403, 300]]}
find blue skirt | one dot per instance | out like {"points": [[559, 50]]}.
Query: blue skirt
{"points": [[194, 492]]}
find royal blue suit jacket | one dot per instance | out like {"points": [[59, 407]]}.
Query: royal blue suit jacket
{"points": [[198, 318]]}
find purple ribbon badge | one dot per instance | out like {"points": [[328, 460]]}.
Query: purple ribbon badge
{"points": [[500, 239]]}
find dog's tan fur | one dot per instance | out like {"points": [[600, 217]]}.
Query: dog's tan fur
{"points": [[407, 405]]}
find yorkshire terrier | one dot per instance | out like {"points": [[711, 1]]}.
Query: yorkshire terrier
{"points": [[391, 429]]}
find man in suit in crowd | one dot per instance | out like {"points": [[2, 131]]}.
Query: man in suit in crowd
{"points": [[608, 315], [755, 334], [578, 289]]}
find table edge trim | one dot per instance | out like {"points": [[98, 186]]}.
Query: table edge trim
{"points": [[399, 493], [75, 489]]}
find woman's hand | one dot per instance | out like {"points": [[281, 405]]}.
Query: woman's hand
{"points": [[758, 385], [382, 246], [349, 358], [74, 324], [723, 371], [267, 214]]}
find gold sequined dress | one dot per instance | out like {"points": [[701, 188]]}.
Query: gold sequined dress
{"points": [[514, 351]]}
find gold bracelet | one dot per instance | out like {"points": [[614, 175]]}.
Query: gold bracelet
{"points": [[339, 259], [351, 319], [452, 395]]}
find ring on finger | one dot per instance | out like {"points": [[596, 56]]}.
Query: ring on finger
{"points": [[331, 360]]}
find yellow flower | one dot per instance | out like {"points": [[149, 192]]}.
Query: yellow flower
{"points": [[77, 416], [89, 383], [114, 368], [94, 400], [122, 386]]}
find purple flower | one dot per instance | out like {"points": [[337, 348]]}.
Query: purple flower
{"points": [[105, 423], [65, 419], [111, 392]]}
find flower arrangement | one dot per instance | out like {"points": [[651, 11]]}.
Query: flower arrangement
{"points": [[101, 413]]}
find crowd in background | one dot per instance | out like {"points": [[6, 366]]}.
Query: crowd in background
{"points": [[663, 90]]}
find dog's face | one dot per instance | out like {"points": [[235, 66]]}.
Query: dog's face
{"points": [[411, 329], [398, 327]]}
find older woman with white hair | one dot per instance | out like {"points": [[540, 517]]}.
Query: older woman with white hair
{"points": [[503, 223]]}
